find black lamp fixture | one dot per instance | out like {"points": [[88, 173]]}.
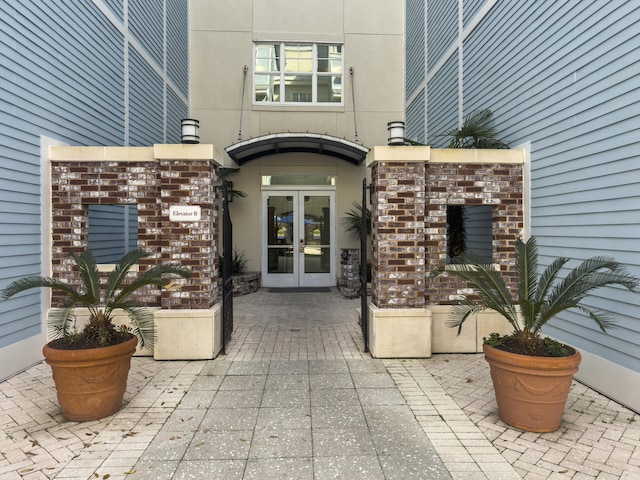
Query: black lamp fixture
{"points": [[396, 133], [190, 130]]}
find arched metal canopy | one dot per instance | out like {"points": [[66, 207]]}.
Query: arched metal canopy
{"points": [[275, 143]]}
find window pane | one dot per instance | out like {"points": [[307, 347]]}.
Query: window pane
{"points": [[317, 236], [330, 58], [267, 88], [313, 73], [298, 58], [298, 88], [330, 89], [267, 58], [298, 180], [280, 228]]}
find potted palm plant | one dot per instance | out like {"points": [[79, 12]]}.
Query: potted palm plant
{"points": [[532, 374], [90, 365]]}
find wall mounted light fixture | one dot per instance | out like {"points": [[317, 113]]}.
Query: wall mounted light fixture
{"points": [[190, 130], [396, 133]]}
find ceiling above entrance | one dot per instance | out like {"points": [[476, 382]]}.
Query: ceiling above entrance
{"points": [[275, 143]]}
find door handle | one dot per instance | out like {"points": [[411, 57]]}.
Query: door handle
{"points": [[301, 246]]}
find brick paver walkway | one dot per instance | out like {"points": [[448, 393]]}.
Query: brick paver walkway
{"points": [[449, 397]]}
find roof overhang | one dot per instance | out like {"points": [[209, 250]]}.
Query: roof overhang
{"points": [[276, 143]]}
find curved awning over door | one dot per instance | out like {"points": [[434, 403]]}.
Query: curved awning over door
{"points": [[276, 143]]}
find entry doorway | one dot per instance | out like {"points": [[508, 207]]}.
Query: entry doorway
{"points": [[298, 238]]}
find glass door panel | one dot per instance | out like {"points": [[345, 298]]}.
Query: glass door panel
{"points": [[317, 234], [298, 238], [280, 233]]}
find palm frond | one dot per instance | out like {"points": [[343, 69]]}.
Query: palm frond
{"points": [[352, 221], [61, 318], [477, 131], [527, 272], [489, 285], [142, 324], [122, 268], [36, 281], [159, 276], [461, 311], [602, 319], [593, 273], [89, 275]]}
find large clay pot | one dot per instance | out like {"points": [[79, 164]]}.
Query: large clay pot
{"points": [[531, 392], [91, 383]]}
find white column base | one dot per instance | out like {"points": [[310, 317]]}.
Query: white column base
{"points": [[399, 332], [188, 334], [445, 339]]}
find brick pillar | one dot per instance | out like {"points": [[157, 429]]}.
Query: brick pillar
{"points": [[399, 324], [398, 276], [191, 183]]}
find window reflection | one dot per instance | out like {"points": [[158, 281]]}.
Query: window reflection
{"points": [[298, 73]]}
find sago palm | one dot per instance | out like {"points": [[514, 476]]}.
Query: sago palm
{"points": [[540, 298], [102, 299], [477, 131]]}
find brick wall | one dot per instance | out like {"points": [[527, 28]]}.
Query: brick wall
{"points": [[498, 185], [409, 215], [153, 186], [398, 241]]}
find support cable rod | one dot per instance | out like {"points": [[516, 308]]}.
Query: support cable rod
{"points": [[244, 84], [353, 97]]}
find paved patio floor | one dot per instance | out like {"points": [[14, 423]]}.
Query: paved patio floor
{"points": [[297, 398]]}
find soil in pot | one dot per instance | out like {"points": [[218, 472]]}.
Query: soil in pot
{"points": [[90, 383]]}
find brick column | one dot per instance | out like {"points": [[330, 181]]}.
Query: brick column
{"points": [[190, 182], [398, 232], [399, 325]]}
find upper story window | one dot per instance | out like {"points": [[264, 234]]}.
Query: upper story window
{"points": [[298, 73]]}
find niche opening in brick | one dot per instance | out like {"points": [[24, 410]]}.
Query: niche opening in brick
{"points": [[113, 231], [470, 232]]}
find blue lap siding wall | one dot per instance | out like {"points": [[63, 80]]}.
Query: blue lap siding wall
{"points": [[101, 72], [561, 76]]}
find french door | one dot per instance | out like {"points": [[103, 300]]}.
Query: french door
{"points": [[298, 238]]}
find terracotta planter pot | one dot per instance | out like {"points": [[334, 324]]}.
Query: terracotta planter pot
{"points": [[90, 383], [531, 391]]}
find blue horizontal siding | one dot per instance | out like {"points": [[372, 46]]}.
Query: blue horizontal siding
{"points": [[117, 7], [442, 29], [58, 76], [469, 10], [146, 109], [178, 39], [21, 318], [176, 111], [62, 75], [564, 77], [415, 119], [415, 48], [146, 26], [442, 102]]}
